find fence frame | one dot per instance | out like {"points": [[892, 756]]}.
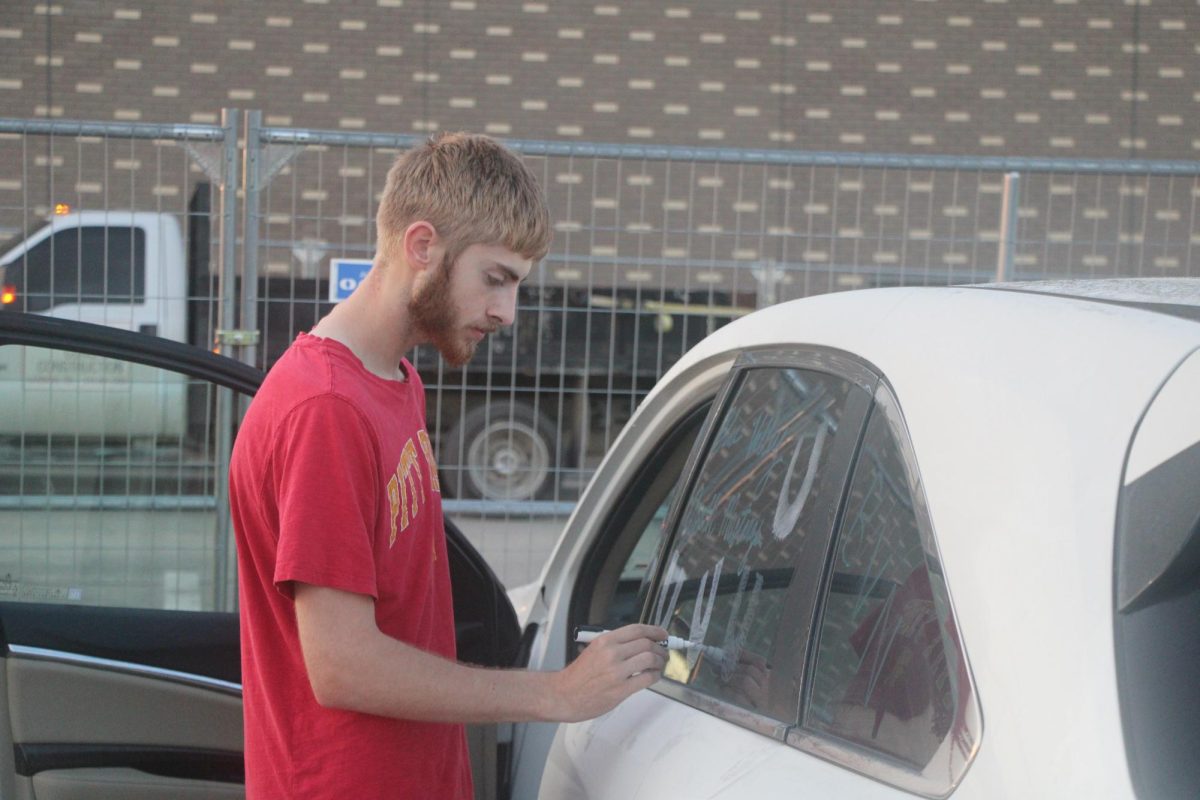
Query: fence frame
{"points": [[261, 151]]}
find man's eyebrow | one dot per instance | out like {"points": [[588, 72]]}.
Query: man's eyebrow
{"points": [[510, 272]]}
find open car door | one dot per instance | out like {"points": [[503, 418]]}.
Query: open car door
{"points": [[119, 635]]}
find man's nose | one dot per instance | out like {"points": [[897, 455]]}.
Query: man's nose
{"points": [[504, 309]]}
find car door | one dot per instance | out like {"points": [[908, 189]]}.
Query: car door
{"points": [[796, 553], [121, 668]]}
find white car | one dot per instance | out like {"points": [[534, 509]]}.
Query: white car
{"points": [[924, 541], [920, 542]]}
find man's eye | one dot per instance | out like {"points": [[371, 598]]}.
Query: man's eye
{"points": [[493, 280]]}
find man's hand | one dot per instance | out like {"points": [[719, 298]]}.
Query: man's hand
{"points": [[610, 668]]}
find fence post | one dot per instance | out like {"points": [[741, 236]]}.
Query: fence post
{"points": [[252, 181], [227, 233], [1006, 253], [224, 590]]}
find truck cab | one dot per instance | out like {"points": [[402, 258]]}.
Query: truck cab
{"points": [[121, 269], [124, 269]]}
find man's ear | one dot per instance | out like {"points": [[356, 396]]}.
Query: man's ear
{"points": [[422, 246]]}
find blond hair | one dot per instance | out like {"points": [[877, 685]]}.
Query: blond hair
{"points": [[472, 189]]}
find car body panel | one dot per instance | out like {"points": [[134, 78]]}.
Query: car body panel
{"points": [[1022, 487], [1169, 427], [666, 750]]}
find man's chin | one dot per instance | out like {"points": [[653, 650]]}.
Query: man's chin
{"points": [[456, 355]]}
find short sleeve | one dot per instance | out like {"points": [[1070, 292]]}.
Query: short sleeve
{"points": [[327, 491]]}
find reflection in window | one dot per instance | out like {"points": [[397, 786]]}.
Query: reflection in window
{"points": [[633, 583], [889, 673], [108, 482], [81, 265], [615, 576], [741, 533], [622, 604]]}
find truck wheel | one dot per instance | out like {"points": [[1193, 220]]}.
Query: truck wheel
{"points": [[500, 451]]}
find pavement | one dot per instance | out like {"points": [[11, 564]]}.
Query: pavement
{"points": [[515, 547]]}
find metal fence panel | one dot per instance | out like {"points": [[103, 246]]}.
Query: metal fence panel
{"points": [[655, 247], [112, 488]]}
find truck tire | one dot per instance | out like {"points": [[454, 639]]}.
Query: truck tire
{"points": [[502, 450]]}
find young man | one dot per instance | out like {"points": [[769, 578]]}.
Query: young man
{"points": [[350, 684]]}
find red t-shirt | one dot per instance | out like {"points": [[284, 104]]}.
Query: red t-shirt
{"points": [[333, 483]]}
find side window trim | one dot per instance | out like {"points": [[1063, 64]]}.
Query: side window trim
{"points": [[752, 720], [802, 626], [934, 781], [817, 359]]}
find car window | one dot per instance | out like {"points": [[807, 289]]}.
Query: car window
{"points": [[617, 573], [108, 484], [81, 265], [637, 568], [889, 671], [760, 507]]}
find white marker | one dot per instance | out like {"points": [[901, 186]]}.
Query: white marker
{"points": [[585, 633]]}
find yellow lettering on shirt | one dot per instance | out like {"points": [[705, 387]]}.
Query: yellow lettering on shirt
{"points": [[427, 449], [410, 479], [393, 492], [405, 485]]}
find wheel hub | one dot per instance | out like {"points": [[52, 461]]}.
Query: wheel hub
{"points": [[508, 460]]}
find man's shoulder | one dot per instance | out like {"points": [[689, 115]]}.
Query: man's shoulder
{"points": [[301, 375], [302, 371]]}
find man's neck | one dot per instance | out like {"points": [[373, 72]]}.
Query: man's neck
{"points": [[374, 324]]}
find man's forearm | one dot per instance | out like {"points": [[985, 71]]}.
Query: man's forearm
{"points": [[353, 666], [393, 679]]}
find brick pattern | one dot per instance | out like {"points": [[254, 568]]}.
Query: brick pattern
{"points": [[1111, 79], [1023, 77]]}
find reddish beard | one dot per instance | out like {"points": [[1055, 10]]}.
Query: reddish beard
{"points": [[432, 309]]}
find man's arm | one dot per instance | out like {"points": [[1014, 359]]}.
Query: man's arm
{"points": [[352, 665]]}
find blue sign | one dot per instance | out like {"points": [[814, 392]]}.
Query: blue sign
{"points": [[345, 274]]}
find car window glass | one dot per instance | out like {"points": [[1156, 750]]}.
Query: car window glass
{"points": [[627, 550], [108, 484], [889, 673], [89, 265], [751, 513], [634, 579]]}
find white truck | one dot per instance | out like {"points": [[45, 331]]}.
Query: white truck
{"points": [[506, 425]]}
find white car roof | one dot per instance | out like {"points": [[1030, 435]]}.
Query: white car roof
{"points": [[1151, 291], [1039, 320]]}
